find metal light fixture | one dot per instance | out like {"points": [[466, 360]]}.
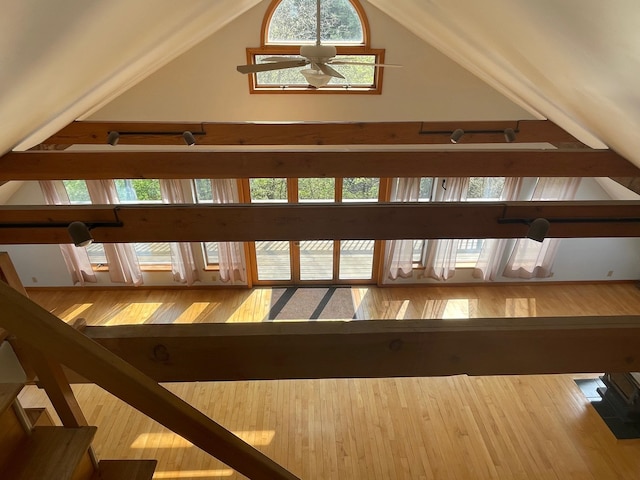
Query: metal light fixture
{"points": [[456, 135], [80, 234], [112, 138], [538, 229], [509, 135], [189, 139]]}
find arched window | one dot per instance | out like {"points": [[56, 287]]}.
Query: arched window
{"points": [[291, 24]]}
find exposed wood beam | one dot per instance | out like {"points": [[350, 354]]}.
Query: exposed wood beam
{"points": [[333, 133], [384, 221], [68, 165], [47, 333], [376, 348]]}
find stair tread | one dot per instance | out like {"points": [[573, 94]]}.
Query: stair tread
{"points": [[8, 393], [125, 470], [51, 453]]}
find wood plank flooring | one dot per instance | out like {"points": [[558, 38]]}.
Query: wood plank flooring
{"points": [[518, 427], [116, 307]]}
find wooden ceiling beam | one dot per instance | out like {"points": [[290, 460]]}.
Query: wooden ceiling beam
{"points": [[384, 221], [352, 133], [378, 348], [69, 165]]}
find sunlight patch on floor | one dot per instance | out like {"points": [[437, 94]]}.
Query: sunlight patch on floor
{"points": [[457, 308], [186, 474], [133, 313], [74, 311], [194, 311], [520, 307], [172, 440]]}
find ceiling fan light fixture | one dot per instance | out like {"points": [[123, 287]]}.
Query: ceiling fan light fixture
{"points": [[315, 78]]}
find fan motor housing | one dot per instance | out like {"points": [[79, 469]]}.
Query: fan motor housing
{"points": [[318, 53]]}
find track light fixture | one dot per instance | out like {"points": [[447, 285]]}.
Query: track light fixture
{"points": [[456, 135], [189, 139], [112, 138], [509, 135], [80, 234], [538, 229]]}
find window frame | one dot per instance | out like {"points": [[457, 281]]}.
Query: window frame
{"points": [[272, 49], [419, 264]]}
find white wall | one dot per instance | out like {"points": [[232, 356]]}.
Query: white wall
{"points": [[203, 85]]}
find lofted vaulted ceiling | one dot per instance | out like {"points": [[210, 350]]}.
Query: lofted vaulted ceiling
{"points": [[574, 63], [502, 62]]}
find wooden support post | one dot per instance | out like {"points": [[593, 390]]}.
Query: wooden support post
{"points": [[47, 333]]}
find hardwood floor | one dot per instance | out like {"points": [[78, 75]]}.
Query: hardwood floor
{"points": [[115, 307], [518, 427]]}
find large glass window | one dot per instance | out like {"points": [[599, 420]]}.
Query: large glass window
{"points": [[291, 24], [268, 189], [360, 189], [294, 22], [481, 189], [131, 191]]}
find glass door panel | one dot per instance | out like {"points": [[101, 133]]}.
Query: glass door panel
{"points": [[360, 189], [356, 259], [265, 190], [316, 260], [316, 189], [273, 260]]}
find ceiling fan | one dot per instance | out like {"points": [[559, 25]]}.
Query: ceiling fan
{"points": [[319, 58]]}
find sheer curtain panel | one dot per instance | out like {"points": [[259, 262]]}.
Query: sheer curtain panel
{"points": [[531, 259], [440, 255], [493, 248], [183, 264], [76, 258], [231, 259], [398, 261], [121, 257]]}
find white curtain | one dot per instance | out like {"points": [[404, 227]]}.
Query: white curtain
{"points": [[398, 259], [440, 255], [531, 259], [121, 257], [76, 258], [183, 264], [493, 248], [231, 259]]}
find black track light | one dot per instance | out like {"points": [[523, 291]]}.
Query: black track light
{"points": [[80, 234]]}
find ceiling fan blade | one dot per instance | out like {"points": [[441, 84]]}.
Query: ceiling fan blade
{"points": [[344, 62], [265, 67], [327, 70], [280, 59]]}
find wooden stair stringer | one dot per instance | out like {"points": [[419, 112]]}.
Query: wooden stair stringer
{"points": [[52, 453]]}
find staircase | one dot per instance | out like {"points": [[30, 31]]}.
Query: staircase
{"points": [[31, 448]]}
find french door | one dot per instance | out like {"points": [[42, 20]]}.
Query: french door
{"points": [[312, 261]]}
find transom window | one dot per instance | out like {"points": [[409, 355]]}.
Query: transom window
{"points": [[290, 24]]}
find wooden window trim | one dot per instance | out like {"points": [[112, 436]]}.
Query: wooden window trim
{"points": [[272, 49]]}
